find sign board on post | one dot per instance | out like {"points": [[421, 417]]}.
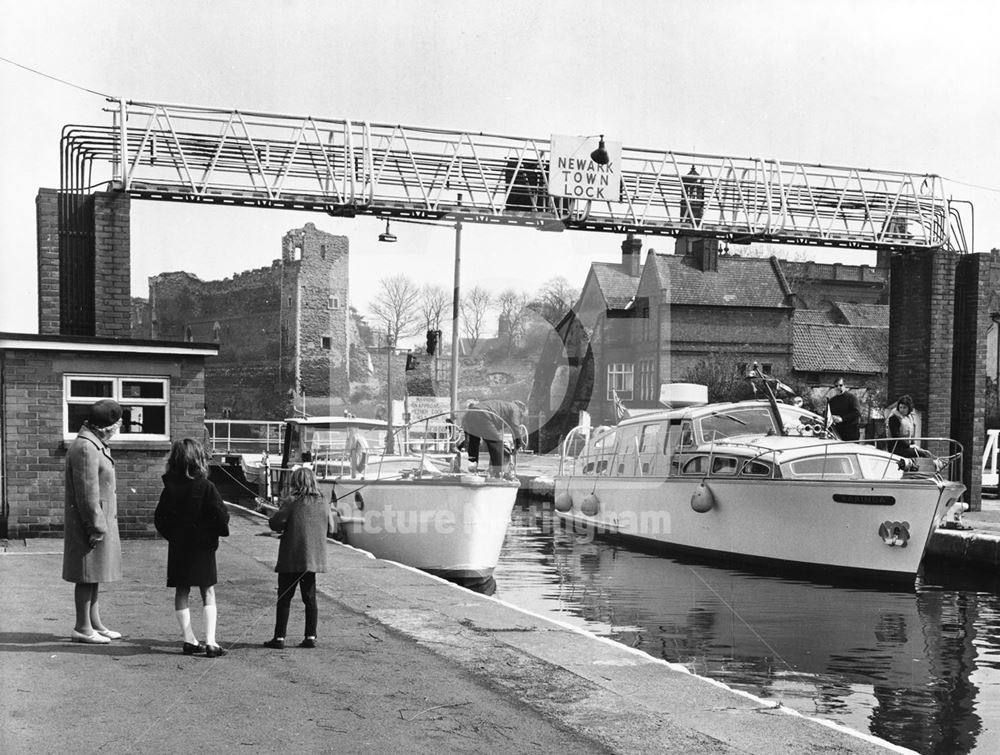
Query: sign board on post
{"points": [[573, 174]]}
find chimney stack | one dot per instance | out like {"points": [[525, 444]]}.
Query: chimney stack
{"points": [[631, 254]]}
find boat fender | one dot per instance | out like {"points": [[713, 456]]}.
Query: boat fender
{"points": [[359, 501], [590, 505], [702, 499], [564, 502]]}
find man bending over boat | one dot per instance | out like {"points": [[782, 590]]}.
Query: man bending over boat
{"points": [[486, 421]]}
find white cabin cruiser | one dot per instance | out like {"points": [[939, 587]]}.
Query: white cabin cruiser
{"points": [[758, 481], [406, 507]]}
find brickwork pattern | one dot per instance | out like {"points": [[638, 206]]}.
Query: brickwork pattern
{"points": [[969, 371], [47, 229], [112, 264]]}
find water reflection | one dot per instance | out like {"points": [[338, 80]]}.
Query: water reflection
{"points": [[918, 667]]}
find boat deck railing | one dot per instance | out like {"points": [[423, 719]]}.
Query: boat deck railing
{"points": [[428, 446], [939, 458], [236, 436]]}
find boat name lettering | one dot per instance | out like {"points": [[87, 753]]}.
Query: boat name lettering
{"points": [[867, 500]]}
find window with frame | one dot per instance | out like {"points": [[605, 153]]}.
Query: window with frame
{"points": [[145, 403], [647, 375], [620, 381]]}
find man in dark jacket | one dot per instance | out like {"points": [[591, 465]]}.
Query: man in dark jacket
{"points": [[845, 412], [487, 421]]}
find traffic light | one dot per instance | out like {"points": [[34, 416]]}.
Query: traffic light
{"points": [[433, 339]]}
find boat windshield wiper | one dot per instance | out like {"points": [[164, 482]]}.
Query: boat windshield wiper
{"points": [[729, 416]]}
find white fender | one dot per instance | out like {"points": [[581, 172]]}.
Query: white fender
{"points": [[702, 499], [590, 505], [564, 502]]}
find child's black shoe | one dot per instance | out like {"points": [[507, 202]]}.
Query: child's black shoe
{"points": [[275, 644], [308, 642]]}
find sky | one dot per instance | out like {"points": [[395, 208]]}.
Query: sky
{"points": [[909, 85]]}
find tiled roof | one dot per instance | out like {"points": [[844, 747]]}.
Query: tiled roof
{"points": [[617, 286], [813, 317], [839, 348], [739, 282], [873, 315]]}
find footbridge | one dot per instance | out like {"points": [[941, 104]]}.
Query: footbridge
{"points": [[346, 167]]}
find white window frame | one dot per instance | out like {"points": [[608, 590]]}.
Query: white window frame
{"points": [[621, 378], [116, 382]]}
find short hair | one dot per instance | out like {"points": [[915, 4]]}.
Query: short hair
{"points": [[188, 459], [906, 401]]}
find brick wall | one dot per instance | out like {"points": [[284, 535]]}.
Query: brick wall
{"points": [[47, 229], [969, 367], [112, 264], [109, 245], [35, 449], [938, 315]]}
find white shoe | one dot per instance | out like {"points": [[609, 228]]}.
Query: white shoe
{"points": [[90, 639], [474, 468], [111, 634]]}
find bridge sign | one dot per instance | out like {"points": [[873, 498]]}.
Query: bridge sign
{"points": [[572, 172]]}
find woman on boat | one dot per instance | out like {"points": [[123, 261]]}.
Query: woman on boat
{"points": [[900, 430], [192, 517]]}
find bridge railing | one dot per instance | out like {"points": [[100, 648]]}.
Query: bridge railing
{"points": [[345, 167]]}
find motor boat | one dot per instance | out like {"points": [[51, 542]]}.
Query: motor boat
{"points": [[411, 502], [757, 481]]}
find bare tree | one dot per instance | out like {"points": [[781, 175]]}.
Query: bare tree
{"points": [[554, 299], [434, 302], [395, 307], [475, 306], [512, 306]]}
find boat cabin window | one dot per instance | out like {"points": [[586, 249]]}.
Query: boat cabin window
{"points": [[754, 420], [599, 452], [841, 466], [879, 468], [757, 468], [720, 465]]}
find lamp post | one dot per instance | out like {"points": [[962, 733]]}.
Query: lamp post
{"points": [[389, 440], [455, 307], [390, 237]]}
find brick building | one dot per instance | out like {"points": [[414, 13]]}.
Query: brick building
{"points": [[285, 333]]}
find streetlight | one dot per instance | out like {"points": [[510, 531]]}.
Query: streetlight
{"points": [[390, 444], [455, 301]]}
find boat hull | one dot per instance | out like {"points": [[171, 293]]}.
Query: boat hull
{"points": [[453, 526], [871, 529]]}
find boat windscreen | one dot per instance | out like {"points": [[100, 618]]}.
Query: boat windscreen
{"points": [[749, 421]]}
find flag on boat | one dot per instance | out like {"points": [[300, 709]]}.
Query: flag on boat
{"points": [[620, 410]]}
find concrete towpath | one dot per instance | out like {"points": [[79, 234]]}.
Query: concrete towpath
{"points": [[405, 663]]}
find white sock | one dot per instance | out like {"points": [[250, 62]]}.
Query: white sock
{"points": [[209, 614], [184, 619]]}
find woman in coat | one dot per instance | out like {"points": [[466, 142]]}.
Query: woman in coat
{"points": [[92, 550], [191, 516]]}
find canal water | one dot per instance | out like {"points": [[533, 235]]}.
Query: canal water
{"points": [[918, 667]]}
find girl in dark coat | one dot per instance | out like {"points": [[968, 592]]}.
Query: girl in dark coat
{"points": [[192, 517], [304, 519]]}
